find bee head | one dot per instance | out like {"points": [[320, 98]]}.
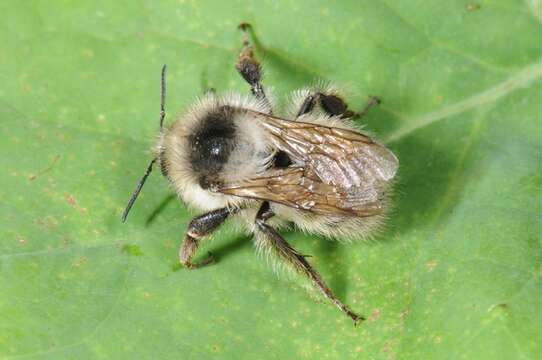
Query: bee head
{"points": [[211, 144]]}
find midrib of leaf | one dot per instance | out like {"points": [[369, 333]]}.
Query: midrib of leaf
{"points": [[521, 79], [442, 113], [535, 8]]}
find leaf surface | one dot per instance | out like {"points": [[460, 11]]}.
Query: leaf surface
{"points": [[457, 274]]}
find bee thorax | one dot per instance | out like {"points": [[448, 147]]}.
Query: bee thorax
{"points": [[212, 143], [217, 141]]}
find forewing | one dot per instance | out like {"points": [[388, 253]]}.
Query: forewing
{"points": [[292, 188], [338, 171]]}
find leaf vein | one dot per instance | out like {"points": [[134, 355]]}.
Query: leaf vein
{"points": [[520, 79], [535, 8]]}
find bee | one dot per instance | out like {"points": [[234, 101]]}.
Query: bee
{"points": [[233, 156]]}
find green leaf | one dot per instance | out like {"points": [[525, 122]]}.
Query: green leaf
{"points": [[457, 274]]}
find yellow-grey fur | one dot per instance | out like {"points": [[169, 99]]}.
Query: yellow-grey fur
{"points": [[252, 158]]}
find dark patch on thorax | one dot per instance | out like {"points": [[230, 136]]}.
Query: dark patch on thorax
{"points": [[281, 160], [212, 143]]}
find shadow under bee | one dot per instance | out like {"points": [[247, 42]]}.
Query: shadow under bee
{"points": [[423, 181], [159, 209], [327, 251]]}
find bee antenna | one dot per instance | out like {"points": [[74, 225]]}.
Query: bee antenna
{"points": [[141, 182], [137, 190], [163, 96]]}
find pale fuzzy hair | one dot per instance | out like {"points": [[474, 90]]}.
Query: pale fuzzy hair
{"points": [[248, 159], [251, 159], [340, 227]]}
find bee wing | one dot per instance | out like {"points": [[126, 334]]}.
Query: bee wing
{"points": [[336, 171]]}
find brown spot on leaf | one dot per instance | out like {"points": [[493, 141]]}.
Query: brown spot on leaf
{"points": [[71, 200], [375, 315], [387, 347], [431, 265], [49, 223], [473, 7], [66, 240], [79, 262]]}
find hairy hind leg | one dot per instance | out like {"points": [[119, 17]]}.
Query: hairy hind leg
{"points": [[271, 239]]}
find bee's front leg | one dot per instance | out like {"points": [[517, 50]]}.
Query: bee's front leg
{"points": [[270, 238], [198, 228]]}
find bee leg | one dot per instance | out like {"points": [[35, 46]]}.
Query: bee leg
{"points": [[331, 104], [249, 68], [334, 105], [373, 100], [272, 239], [307, 105], [198, 228]]}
